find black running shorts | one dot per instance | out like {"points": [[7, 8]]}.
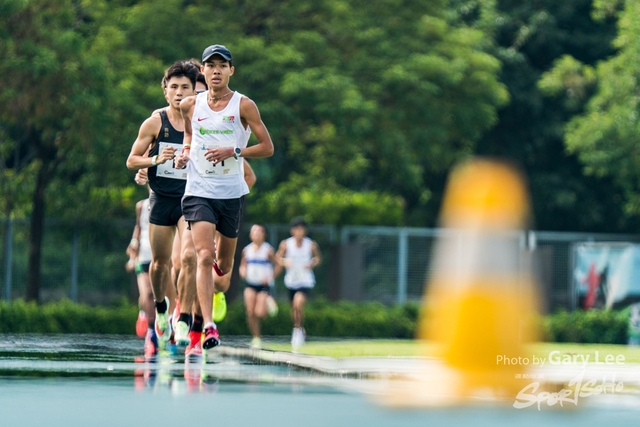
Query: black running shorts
{"points": [[224, 213], [164, 210], [293, 292], [259, 288]]}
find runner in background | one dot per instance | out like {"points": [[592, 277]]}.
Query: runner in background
{"points": [[139, 251], [257, 268], [299, 255]]}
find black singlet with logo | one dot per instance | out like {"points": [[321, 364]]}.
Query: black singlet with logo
{"points": [[167, 187]]}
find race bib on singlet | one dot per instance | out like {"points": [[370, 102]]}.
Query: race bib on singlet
{"points": [[207, 169], [168, 169], [297, 272], [258, 274]]}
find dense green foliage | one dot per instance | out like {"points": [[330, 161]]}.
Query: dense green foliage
{"points": [[593, 326], [342, 319], [606, 135], [362, 101], [368, 103], [66, 317], [335, 320], [531, 38]]}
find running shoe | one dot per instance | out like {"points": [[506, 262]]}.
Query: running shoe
{"points": [[182, 334], [163, 328], [141, 324], [151, 345], [172, 348], [272, 306], [256, 343], [297, 339], [175, 315], [219, 306], [194, 350], [195, 337], [211, 337]]}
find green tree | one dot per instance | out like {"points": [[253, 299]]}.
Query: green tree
{"points": [[606, 136], [66, 96], [530, 37], [369, 101]]}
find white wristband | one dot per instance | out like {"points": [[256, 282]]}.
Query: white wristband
{"points": [[154, 160]]}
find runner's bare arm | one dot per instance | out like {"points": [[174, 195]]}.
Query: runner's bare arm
{"points": [[134, 245], [146, 137], [276, 266], [243, 265], [249, 175], [279, 258], [251, 116], [186, 108], [317, 256]]}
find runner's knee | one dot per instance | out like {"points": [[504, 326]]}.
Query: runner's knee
{"points": [[188, 258], [205, 257]]}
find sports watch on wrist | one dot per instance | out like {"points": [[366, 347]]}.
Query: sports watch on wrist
{"points": [[237, 152]]}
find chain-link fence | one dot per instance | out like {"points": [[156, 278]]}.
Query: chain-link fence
{"points": [[85, 262], [396, 262]]}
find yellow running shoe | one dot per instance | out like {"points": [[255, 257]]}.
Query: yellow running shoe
{"points": [[163, 329], [219, 306], [272, 306]]}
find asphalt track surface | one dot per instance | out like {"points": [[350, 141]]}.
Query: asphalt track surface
{"points": [[80, 380]]}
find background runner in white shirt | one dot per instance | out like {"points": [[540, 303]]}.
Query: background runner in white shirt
{"points": [[299, 255], [257, 269]]}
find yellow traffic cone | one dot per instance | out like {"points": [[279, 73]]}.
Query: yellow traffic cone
{"points": [[480, 299]]}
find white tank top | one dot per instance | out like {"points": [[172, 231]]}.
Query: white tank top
{"points": [[259, 266], [224, 180], [144, 253], [298, 276]]}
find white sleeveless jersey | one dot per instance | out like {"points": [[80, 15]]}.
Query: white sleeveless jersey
{"points": [[211, 129], [259, 266], [298, 275], [144, 253]]}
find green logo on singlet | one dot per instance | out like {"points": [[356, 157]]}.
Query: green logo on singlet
{"points": [[204, 131]]}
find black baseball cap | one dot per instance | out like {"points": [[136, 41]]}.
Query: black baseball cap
{"points": [[216, 49], [298, 222]]}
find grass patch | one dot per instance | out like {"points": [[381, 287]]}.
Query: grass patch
{"points": [[414, 348], [357, 348]]}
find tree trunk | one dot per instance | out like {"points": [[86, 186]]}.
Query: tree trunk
{"points": [[36, 233]]}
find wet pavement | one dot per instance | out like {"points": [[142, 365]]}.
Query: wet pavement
{"points": [[82, 380]]}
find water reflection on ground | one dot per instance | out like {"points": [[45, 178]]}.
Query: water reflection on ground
{"points": [[82, 380]]}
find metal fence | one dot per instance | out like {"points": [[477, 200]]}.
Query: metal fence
{"points": [[85, 262]]}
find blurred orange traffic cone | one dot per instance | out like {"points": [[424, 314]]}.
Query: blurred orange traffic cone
{"points": [[480, 298]]}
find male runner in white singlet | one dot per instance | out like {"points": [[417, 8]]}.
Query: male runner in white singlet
{"points": [[299, 255], [215, 143]]}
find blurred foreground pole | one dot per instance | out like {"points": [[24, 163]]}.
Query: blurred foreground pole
{"points": [[480, 300]]}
